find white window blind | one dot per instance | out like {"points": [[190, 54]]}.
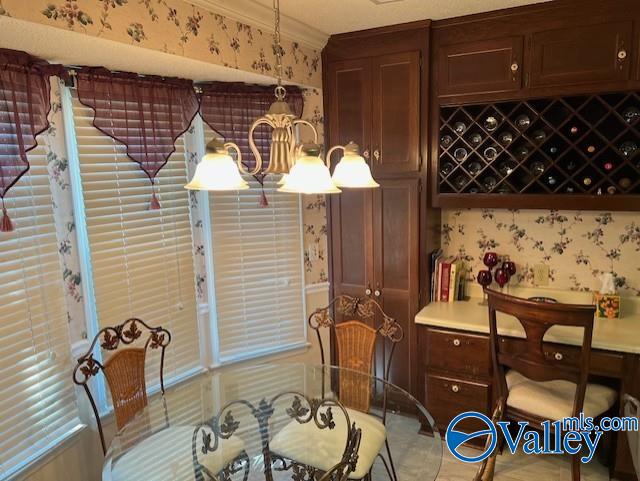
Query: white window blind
{"points": [[37, 399], [141, 259], [258, 266]]}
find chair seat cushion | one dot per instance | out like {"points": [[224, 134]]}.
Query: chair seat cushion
{"points": [[167, 456], [553, 400], [324, 448]]}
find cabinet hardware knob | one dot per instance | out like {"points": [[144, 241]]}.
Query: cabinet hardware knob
{"points": [[515, 67], [367, 291], [558, 356], [456, 342], [377, 293], [622, 54], [366, 154], [376, 155], [455, 388]]}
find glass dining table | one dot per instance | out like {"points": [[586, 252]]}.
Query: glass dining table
{"points": [[278, 422]]}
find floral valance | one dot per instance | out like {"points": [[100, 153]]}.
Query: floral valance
{"points": [[24, 107], [146, 114]]}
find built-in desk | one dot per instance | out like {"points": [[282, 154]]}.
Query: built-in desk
{"points": [[456, 372]]}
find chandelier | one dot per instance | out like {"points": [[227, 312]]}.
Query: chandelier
{"points": [[302, 168]]}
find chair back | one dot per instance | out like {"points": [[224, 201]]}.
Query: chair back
{"points": [[355, 341], [124, 370], [533, 361]]}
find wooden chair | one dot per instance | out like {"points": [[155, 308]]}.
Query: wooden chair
{"points": [[124, 370], [355, 344], [535, 385]]}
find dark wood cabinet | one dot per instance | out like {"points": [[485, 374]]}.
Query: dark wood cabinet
{"points": [[493, 65], [396, 113], [581, 54], [456, 375], [395, 252], [375, 94]]}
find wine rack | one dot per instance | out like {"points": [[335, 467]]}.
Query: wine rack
{"points": [[579, 146]]}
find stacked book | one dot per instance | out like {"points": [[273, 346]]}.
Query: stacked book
{"points": [[447, 279]]}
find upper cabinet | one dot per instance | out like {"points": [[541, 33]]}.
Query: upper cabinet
{"points": [[583, 54], [375, 102], [396, 113], [350, 103], [482, 66]]}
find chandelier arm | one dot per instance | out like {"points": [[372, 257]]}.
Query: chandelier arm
{"points": [[310, 125], [254, 148], [331, 151], [231, 145]]}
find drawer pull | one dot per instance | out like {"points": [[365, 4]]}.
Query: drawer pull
{"points": [[558, 356], [622, 55], [455, 388], [515, 67], [456, 342]]}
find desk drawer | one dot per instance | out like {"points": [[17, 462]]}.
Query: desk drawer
{"points": [[457, 352], [603, 363], [447, 397]]}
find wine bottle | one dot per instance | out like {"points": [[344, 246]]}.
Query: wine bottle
{"points": [[574, 130], [587, 181], [591, 149], [608, 165]]}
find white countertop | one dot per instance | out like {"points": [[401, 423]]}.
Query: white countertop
{"points": [[621, 335]]}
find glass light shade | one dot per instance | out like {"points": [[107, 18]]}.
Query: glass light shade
{"points": [[353, 172], [283, 179], [217, 171], [309, 175]]}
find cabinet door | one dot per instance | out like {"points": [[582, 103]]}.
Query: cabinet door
{"points": [[396, 113], [352, 242], [349, 92], [396, 254], [480, 67], [585, 54]]}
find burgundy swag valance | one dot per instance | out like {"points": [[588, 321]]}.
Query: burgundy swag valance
{"points": [[231, 108], [24, 107], [146, 114]]}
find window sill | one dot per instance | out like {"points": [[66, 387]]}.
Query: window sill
{"points": [[275, 354], [55, 449]]}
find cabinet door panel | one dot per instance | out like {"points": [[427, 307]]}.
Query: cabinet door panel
{"points": [[396, 269], [582, 54], [480, 67], [396, 113], [349, 115], [351, 237]]}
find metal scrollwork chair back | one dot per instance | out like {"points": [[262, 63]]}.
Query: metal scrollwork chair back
{"points": [[356, 343], [124, 370]]}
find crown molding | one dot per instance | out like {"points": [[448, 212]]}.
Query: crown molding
{"points": [[258, 15]]}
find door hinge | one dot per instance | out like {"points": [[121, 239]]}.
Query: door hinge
{"points": [[419, 161], [526, 79], [419, 185]]}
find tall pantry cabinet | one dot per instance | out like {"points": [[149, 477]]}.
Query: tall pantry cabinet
{"points": [[375, 94]]}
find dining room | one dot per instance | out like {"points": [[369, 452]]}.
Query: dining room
{"points": [[269, 240]]}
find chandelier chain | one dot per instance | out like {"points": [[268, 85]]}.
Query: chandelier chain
{"points": [[280, 90]]}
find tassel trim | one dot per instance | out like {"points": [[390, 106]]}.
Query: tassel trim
{"points": [[155, 203], [263, 200], [6, 225]]}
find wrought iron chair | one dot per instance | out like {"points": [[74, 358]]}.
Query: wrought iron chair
{"points": [[124, 370], [356, 343], [535, 385]]}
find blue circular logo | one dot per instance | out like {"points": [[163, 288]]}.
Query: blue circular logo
{"points": [[456, 439]]}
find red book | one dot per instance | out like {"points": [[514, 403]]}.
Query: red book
{"points": [[445, 279]]}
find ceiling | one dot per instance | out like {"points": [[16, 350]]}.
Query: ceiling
{"points": [[338, 16]]}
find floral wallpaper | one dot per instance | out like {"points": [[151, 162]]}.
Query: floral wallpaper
{"points": [[577, 246], [176, 27], [314, 215]]}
